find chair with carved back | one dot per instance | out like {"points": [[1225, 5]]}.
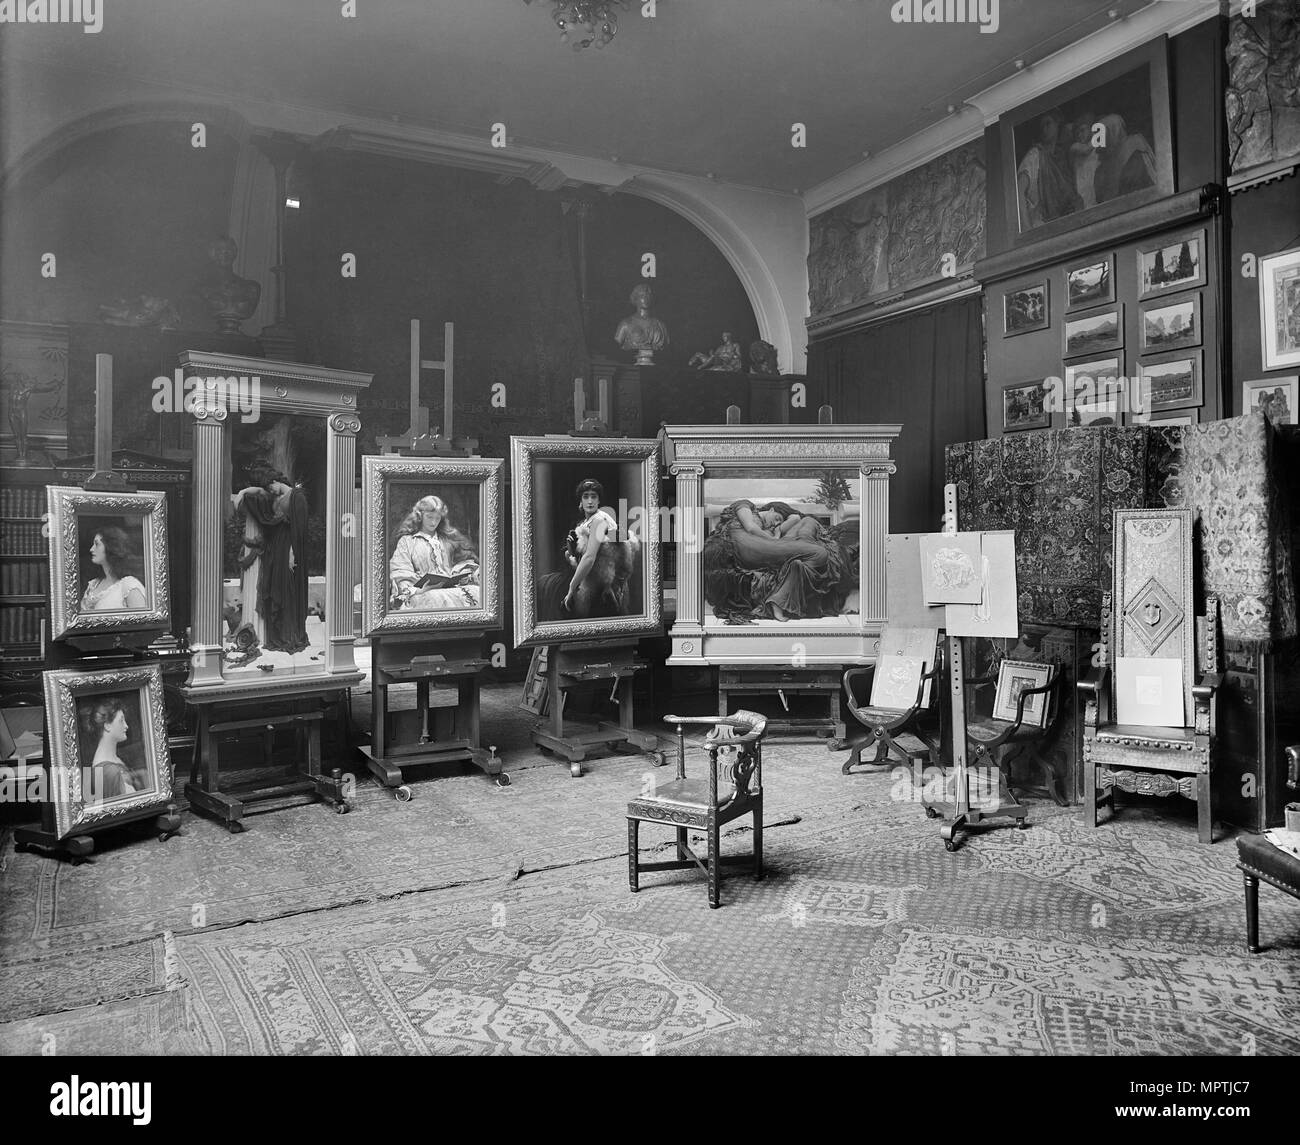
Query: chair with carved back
{"points": [[1154, 654], [733, 787], [904, 690]]}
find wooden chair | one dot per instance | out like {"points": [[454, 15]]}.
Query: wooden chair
{"points": [[894, 730], [734, 787], [1151, 615]]}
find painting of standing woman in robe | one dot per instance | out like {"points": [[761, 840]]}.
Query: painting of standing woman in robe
{"points": [[786, 551], [1095, 146]]}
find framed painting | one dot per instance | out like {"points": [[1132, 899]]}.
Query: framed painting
{"points": [[1014, 677], [781, 542], [108, 561], [108, 745], [1024, 406], [275, 524], [1172, 263], [1091, 148], [1094, 391], [1171, 323], [1092, 284], [586, 518], [1093, 331], [433, 559], [1276, 397], [1279, 309], [1170, 381], [1026, 308]]}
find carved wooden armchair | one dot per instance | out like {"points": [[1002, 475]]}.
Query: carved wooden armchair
{"points": [[1150, 617], [734, 787], [890, 719]]}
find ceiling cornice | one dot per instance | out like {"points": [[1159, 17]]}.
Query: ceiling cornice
{"points": [[1160, 18]]}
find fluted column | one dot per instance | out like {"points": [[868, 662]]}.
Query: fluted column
{"points": [[209, 539], [341, 541], [875, 533], [689, 625]]}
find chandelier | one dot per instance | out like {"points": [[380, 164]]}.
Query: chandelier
{"points": [[586, 22]]}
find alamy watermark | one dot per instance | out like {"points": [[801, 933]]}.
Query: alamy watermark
{"points": [[982, 12], [88, 13], [179, 394]]}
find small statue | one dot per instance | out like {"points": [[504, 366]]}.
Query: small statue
{"points": [[23, 390], [725, 358], [144, 310], [762, 358], [641, 332], [231, 299]]}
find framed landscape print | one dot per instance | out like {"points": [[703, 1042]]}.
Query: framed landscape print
{"points": [[1093, 391], [1093, 331], [1024, 406], [1171, 264], [1171, 323], [1091, 148], [1091, 284], [108, 747], [433, 557], [1275, 396], [1025, 308], [1279, 308], [1177, 417], [1171, 381], [108, 561], [586, 522]]}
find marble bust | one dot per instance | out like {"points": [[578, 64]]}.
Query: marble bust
{"points": [[640, 331], [231, 299]]}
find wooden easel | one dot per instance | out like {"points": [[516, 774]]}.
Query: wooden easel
{"points": [[428, 660], [94, 651], [961, 812]]}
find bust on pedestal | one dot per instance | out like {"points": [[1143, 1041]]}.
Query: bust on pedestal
{"points": [[231, 299], [640, 331]]}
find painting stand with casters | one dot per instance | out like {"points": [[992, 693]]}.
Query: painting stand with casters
{"points": [[431, 588], [106, 761]]}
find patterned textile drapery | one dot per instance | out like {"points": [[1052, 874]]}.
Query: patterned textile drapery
{"points": [[1059, 488]]}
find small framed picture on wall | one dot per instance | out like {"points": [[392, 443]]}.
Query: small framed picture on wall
{"points": [[1094, 390], [1024, 406], [1172, 263], [1026, 308], [1170, 381], [1279, 309], [1093, 331], [1171, 324], [1092, 284], [1276, 397]]}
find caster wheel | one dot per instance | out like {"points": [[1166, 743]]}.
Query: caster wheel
{"points": [[235, 827], [503, 780], [1024, 824], [404, 794], [342, 808], [931, 813], [661, 759], [575, 769], [949, 845]]}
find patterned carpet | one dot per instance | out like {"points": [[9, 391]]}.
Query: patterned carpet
{"points": [[484, 920]]}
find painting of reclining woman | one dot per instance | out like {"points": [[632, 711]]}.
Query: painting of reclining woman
{"points": [[791, 558]]}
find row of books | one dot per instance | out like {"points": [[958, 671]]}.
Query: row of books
{"points": [[21, 624], [24, 578], [22, 501], [21, 538]]}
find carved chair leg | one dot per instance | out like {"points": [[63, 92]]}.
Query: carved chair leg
{"points": [[1089, 791], [758, 842], [882, 749], [714, 864], [1204, 811], [1252, 912], [682, 844], [855, 758], [633, 826]]}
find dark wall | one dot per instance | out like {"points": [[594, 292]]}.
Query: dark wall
{"points": [[128, 211], [696, 292], [1262, 220]]}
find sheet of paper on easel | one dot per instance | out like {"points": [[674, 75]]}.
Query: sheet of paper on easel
{"points": [[897, 680], [996, 615], [903, 644], [1149, 690], [950, 568], [903, 602]]}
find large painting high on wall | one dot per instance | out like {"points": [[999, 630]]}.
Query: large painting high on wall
{"points": [[1090, 148]]}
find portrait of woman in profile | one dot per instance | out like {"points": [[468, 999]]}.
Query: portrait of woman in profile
{"points": [[434, 565], [600, 565], [770, 562], [105, 728], [119, 588]]}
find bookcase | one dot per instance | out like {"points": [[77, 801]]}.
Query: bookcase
{"points": [[24, 578]]}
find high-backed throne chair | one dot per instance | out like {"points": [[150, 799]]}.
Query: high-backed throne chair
{"points": [[1147, 621]]}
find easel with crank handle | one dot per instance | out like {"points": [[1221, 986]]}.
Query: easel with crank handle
{"points": [[586, 665], [961, 811], [96, 652], [429, 659]]}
